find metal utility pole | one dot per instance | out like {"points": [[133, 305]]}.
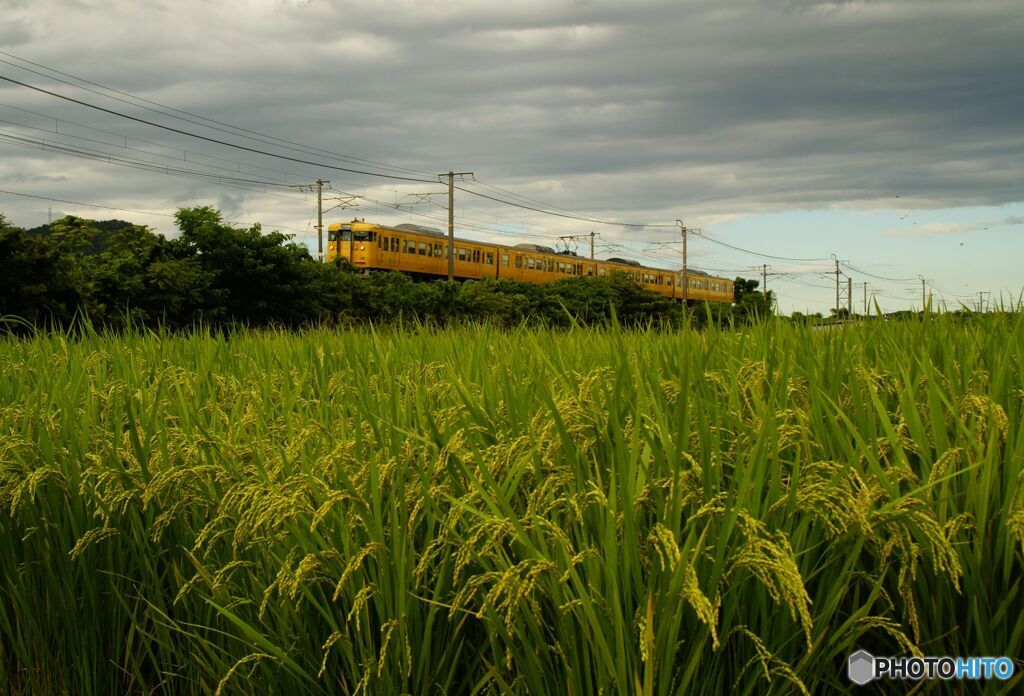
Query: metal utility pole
{"points": [[319, 214], [591, 245], [320, 220], [837, 284], [451, 219], [866, 299], [764, 268], [686, 281], [981, 299], [849, 297]]}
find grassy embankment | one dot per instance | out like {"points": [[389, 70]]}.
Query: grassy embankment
{"points": [[470, 509]]}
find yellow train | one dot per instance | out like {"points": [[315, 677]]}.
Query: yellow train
{"points": [[423, 252]]}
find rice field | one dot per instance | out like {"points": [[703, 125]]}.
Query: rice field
{"points": [[476, 511]]}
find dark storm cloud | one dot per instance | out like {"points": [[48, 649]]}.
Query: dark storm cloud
{"points": [[631, 109]]}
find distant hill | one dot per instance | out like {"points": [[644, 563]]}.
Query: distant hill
{"points": [[98, 243]]}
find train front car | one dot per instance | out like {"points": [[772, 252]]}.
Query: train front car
{"points": [[356, 242]]}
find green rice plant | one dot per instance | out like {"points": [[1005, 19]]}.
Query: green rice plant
{"points": [[473, 510]]}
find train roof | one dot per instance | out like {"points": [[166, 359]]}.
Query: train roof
{"points": [[535, 247], [422, 229]]}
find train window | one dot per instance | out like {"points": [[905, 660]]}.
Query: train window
{"points": [[462, 254], [476, 256], [364, 236], [423, 248], [394, 244], [490, 258], [590, 270], [437, 250], [504, 258], [529, 262], [412, 247], [405, 246], [519, 261]]}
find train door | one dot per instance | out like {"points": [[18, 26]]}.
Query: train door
{"points": [[339, 243]]}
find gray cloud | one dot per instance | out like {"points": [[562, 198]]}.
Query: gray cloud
{"points": [[633, 111]]}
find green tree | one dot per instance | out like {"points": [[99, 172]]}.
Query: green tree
{"points": [[255, 277], [748, 303], [37, 284]]}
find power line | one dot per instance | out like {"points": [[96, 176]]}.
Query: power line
{"points": [[555, 213], [878, 277], [235, 130], [756, 253], [86, 153], [184, 158], [109, 158], [208, 139], [126, 138], [238, 131]]}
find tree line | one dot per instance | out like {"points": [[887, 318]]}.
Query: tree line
{"points": [[115, 274]]}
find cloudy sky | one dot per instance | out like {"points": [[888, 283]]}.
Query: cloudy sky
{"points": [[886, 133]]}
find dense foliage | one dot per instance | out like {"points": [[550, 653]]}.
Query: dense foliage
{"points": [[116, 274], [474, 510]]}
